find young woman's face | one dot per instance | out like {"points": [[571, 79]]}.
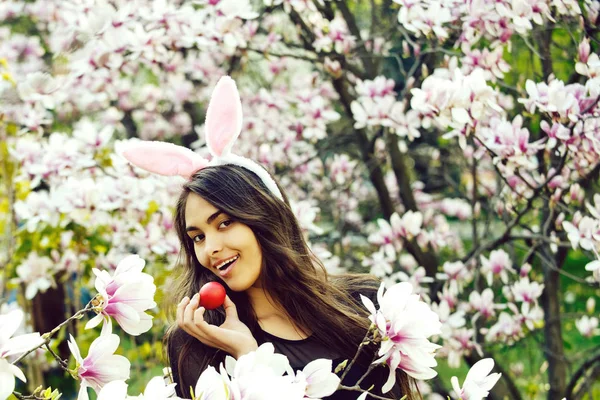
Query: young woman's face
{"points": [[225, 247]]}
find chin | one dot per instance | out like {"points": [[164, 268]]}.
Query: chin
{"points": [[238, 286]]}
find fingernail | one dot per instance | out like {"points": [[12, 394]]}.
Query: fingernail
{"points": [[195, 297], [183, 300]]}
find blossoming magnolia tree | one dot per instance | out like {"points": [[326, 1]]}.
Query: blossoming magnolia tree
{"points": [[452, 145]]}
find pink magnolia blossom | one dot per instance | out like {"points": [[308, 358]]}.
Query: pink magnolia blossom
{"points": [[460, 343], [425, 18], [483, 303], [404, 322], [341, 168], [498, 265], [125, 296], [478, 382], [101, 365], [507, 329], [456, 274], [526, 291]]}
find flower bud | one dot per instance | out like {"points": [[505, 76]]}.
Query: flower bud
{"points": [[333, 68], [584, 50], [592, 11], [559, 220], [405, 50], [590, 305], [525, 269]]}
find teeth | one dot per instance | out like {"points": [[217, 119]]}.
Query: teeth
{"points": [[226, 262]]}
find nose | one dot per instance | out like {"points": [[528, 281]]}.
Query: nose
{"points": [[212, 245]]}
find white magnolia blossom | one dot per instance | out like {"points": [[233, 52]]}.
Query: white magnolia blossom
{"points": [[264, 374], [156, 389], [11, 345], [587, 326], [478, 382], [36, 273]]}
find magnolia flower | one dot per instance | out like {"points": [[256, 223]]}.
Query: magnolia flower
{"points": [[125, 296], [156, 389], [318, 379], [456, 273], [260, 374], [39, 87], [115, 390], [36, 273], [101, 365], [584, 234], [483, 303], [307, 212], [342, 168], [8, 372], [499, 264], [478, 382], [212, 386], [587, 326], [409, 225], [527, 291], [11, 346], [404, 322]]}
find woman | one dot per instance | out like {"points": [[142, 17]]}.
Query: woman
{"points": [[236, 227]]}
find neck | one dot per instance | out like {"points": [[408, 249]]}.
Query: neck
{"points": [[263, 304]]}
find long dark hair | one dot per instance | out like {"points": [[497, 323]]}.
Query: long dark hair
{"points": [[293, 277]]}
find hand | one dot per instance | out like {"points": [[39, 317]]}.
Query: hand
{"points": [[233, 336]]}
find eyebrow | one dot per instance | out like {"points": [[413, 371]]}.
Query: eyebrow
{"points": [[208, 221]]}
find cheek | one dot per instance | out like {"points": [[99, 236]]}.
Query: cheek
{"points": [[200, 256]]}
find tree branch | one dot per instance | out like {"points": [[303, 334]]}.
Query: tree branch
{"points": [[579, 373], [351, 22], [425, 258]]}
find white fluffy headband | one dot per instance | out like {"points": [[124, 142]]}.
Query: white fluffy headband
{"points": [[222, 127]]}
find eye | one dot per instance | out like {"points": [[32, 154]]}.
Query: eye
{"points": [[198, 238], [225, 223]]}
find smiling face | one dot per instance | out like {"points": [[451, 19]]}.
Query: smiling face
{"points": [[226, 247]]}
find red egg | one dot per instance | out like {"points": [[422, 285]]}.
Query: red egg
{"points": [[212, 295]]}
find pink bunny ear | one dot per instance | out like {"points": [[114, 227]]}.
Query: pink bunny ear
{"points": [[163, 158], [223, 117]]}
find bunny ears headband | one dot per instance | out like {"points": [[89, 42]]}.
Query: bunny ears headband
{"points": [[222, 127]]}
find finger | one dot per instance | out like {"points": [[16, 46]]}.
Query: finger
{"points": [[202, 326], [203, 329], [199, 316], [188, 313], [230, 309], [180, 309]]}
